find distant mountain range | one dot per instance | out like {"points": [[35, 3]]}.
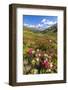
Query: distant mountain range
{"points": [[52, 28]]}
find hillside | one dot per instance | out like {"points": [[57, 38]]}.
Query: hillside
{"points": [[53, 28]]}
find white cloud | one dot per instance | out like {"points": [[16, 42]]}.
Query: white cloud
{"points": [[32, 26], [39, 25], [52, 22], [43, 20], [43, 24], [48, 22], [28, 25]]}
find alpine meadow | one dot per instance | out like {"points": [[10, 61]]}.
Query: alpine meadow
{"points": [[39, 44]]}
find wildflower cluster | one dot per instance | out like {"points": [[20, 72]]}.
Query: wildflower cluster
{"points": [[37, 61]]}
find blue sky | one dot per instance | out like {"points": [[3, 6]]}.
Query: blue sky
{"points": [[41, 22]]}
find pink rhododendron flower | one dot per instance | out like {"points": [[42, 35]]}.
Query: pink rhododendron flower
{"points": [[45, 64], [30, 50]]}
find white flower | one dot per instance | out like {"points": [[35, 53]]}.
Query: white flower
{"points": [[25, 62], [39, 54], [33, 62], [46, 55], [37, 59], [28, 68], [49, 70], [37, 50], [33, 52], [51, 65], [35, 71], [50, 41], [46, 59]]}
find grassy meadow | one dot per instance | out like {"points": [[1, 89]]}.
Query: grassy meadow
{"points": [[39, 51]]}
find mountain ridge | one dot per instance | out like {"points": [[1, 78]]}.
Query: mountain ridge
{"points": [[52, 28]]}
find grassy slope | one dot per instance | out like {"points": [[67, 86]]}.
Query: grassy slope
{"points": [[35, 39], [40, 40]]}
